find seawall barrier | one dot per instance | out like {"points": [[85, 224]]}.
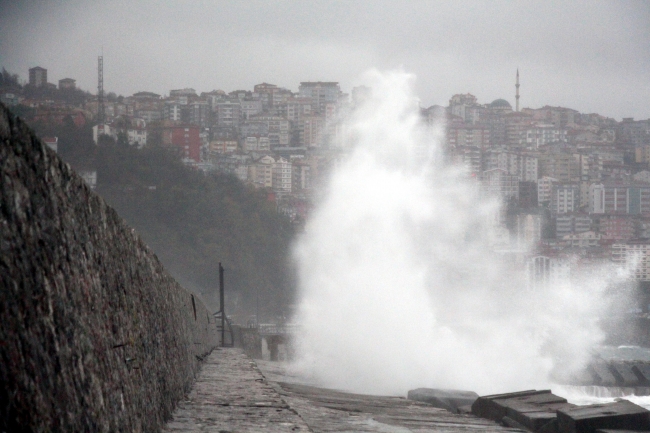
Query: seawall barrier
{"points": [[95, 334]]}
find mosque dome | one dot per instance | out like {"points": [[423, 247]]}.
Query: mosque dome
{"points": [[501, 104]]}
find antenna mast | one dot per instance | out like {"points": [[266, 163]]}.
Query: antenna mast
{"points": [[100, 89]]}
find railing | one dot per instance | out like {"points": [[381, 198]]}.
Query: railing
{"points": [[273, 329]]}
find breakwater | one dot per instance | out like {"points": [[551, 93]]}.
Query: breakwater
{"points": [[96, 335]]}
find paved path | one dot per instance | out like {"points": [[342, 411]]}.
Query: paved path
{"points": [[232, 395]]}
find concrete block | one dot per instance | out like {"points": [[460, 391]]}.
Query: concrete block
{"points": [[642, 372], [623, 374], [495, 406], [550, 427], [535, 416], [509, 422], [449, 399], [602, 373], [618, 415], [607, 430], [585, 377]]}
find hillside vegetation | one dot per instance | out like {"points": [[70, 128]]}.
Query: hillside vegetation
{"points": [[193, 221]]}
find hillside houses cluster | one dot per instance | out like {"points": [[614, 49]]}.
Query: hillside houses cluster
{"points": [[269, 137], [575, 186]]}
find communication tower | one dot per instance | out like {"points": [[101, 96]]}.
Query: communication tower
{"points": [[100, 89]]}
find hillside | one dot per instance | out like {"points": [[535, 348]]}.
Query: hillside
{"points": [[194, 221]]}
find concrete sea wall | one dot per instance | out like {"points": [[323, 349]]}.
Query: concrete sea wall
{"points": [[95, 334]]}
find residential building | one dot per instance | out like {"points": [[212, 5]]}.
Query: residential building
{"points": [[515, 123], [524, 165], [618, 228], [545, 190], [311, 131], [619, 199], [559, 117], [227, 114], [223, 145], [282, 178], [200, 113], [250, 107], [634, 257], [564, 198], [260, 173], [301, 176], [38, 77], [173, 111], [544, 271], [497, 182], [186, 138], [468, 135], [137, 136], [537, 135], [465, 107], [572, 223], [321, 93], [588, 239], [257, 143], [67, 84], [560, 163], [278, 129], [528, 230], [103, 129]]}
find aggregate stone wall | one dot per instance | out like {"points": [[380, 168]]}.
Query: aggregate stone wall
{"points": [[95, 335]]}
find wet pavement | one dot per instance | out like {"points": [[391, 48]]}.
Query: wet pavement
{"points": [[234, 394]]}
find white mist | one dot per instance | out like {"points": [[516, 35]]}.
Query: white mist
{"points": [[399, 284]]}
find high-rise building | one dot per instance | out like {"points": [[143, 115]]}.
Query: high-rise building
{"points": [[37, 76], [321, 93]]}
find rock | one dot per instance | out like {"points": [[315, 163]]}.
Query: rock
{"points": [[449, 399]]}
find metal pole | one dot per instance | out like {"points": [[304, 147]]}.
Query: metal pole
{"points": [[257, 307], [222, 305]]}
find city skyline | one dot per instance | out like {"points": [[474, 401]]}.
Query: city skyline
{"points": [[592, 59]]}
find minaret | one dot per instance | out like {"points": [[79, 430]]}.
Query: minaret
{"points": [[517, 95]]}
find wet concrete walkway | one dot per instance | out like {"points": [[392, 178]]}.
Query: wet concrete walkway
{"points": [[232, 395]]}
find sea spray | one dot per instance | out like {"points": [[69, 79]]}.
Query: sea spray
{"points": [[399, 284]]}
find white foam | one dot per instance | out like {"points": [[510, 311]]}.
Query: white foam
{"points": [[399, 283]]}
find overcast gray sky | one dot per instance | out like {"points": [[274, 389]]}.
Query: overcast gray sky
{"points": [[593, 56]]}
